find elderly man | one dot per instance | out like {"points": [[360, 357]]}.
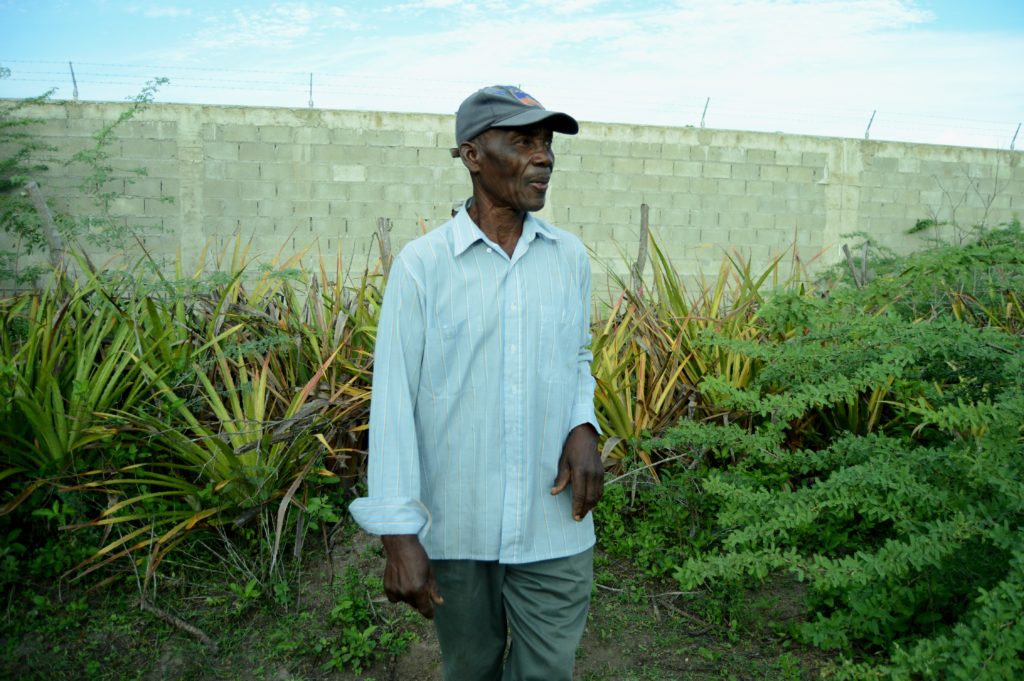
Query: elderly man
{"points": [[483, 463]]}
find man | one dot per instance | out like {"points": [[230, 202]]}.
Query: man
{"points": [[483, 462]]}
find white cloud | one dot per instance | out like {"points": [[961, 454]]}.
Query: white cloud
{"points": [[282, 26], [815, 67]]}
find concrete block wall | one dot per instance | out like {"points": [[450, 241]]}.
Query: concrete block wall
{"points": [[312, 181]]}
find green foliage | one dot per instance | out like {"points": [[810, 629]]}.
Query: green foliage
{"points": [[18, 163], [650, 353], [656, 526], [74, 633], [34, 542], [357, 635], [246, 595], [102, 183], [978, 282], [72, 358], [178, 407], [103, 229], [877, 457]]}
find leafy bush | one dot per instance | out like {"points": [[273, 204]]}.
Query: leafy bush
{"points": [[656, 526], [877, 456]]}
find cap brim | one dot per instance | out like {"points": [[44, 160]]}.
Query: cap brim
{"points": [[559, 122]]}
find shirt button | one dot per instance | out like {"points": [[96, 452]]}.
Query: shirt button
{"points": [[489, 250], [514, 307], [512, 348]]}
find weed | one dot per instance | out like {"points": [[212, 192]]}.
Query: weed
{"points": [[246, 595]]}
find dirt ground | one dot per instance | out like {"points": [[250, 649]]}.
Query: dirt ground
{"points": [[636, 631]]}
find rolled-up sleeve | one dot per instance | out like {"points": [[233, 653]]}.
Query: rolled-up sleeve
{"points": [[393, 503], [583, 402]]}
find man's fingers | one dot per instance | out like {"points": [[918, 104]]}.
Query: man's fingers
{"points": [[562, 480], [587, 489], [579, 497], [598, 489], [424, 600], [433, 595], [407, 575], [595, 489], [425, 603]]}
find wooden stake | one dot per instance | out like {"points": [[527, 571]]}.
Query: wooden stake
{"points": [[53, 240], [384, 238], [641, 258]]}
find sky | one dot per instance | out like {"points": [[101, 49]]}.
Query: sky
{"points": [[933, 71]]}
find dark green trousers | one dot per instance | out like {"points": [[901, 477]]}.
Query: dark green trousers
{"points": [[542, 605]]}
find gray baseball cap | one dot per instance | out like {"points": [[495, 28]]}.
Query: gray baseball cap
{"points": [[506, 106]]}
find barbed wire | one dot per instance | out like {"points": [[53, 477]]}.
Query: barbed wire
{"points": [[104, 81]]}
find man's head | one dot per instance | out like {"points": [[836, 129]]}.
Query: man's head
{"points": [[504, 137]]}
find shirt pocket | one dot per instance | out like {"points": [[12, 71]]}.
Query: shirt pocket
{"points": [[448, 352], [558, 345]]}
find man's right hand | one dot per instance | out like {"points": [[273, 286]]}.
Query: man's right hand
{"points": [[407, 575]]}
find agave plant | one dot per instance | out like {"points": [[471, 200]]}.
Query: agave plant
{"points": [[73, 360], [658, 345], [639, 369], [276, 389]]}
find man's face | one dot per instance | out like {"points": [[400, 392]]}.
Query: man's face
{"points": [[515, 166]]}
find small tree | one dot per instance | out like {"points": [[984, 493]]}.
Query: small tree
{"points": [[24, 214], [19, 149]]}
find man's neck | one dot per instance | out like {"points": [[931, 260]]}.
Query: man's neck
{"points": [[503, 226]]}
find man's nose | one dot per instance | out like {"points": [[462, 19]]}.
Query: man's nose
{"points": [[543, 156]]}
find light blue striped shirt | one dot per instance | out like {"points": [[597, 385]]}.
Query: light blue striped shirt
{"points": [[481, 369]]}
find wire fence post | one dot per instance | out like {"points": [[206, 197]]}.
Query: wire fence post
{"points": [[74, 81], [867, 132], [310, 90], [1014, 140], [705, 112]]}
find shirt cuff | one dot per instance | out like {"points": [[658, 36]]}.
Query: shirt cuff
{"points": [[581, 415], [395, 515]]}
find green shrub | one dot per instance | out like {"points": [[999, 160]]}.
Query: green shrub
{"points": [[656, 526], [877, 456]]}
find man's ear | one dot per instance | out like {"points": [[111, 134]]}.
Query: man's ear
{"points": [[470, 155]]}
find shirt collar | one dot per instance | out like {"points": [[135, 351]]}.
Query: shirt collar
{"points": [[465, 233]]}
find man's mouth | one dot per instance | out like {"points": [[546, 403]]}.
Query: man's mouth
{"points": [[540, 184]]}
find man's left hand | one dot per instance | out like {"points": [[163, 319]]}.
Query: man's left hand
{"points": [[580, 465]]}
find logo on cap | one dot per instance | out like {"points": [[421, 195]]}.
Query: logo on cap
{"points": [[523, 97]]}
